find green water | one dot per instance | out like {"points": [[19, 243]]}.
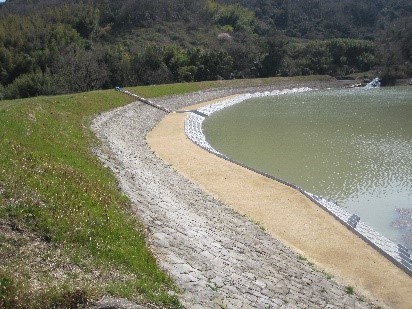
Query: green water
{"points": [[352, 146]]}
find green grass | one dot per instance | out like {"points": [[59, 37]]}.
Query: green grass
{"points": [[301, 257], [64, 209], [349, 290], [53, 187]]}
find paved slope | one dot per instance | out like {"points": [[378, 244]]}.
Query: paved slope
{"points": [[217, 257]]}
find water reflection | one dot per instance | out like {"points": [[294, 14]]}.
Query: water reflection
{"points": [[353, 146]]}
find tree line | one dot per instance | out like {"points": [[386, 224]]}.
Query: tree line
{"points": [[53, 47]]}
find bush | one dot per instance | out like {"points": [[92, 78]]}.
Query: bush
{"points": [[337, 56], [390, 75], [29, 85]]}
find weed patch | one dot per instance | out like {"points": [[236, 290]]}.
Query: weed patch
{"points": [[349, 290]]}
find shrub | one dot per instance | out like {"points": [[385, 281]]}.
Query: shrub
{"points": [[29, 85]]}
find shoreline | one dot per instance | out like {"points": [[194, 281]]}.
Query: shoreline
{"points": [[216, 256], [396, 253]]}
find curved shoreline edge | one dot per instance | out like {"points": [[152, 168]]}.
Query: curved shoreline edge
{"points": [[396, 253], [213, 251]]}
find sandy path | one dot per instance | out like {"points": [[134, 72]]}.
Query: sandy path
{"points": [[216, 256], [286, 214]]}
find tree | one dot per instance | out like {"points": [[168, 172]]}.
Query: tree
{"points": [[149, 67], [175, 59], [235, 15], [214, 65], [118, 60], [78, 69], [276, 51]]}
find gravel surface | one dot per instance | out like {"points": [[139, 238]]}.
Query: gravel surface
{"points": [[217, 257]]}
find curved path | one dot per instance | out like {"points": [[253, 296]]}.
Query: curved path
{"points": [[216, 256]]}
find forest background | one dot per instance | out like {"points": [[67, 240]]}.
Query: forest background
{"points": [[55, 46]]}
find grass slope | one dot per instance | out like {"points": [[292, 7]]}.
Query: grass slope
{"points": [[66, 232]]}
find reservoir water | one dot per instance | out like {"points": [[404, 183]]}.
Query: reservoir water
{"points": [[353, 146]]}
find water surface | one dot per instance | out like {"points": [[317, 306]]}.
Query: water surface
{"points": [[353, 146]]}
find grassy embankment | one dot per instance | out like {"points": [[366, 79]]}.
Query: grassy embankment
{"points": [[66, 233]]}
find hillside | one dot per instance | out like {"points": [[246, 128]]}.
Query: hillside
{"points": [[51, 46], [311, 19]]}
